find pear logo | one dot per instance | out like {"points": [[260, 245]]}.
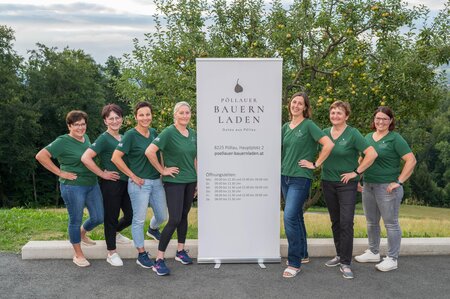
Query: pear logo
{"points": [[238, 88]]}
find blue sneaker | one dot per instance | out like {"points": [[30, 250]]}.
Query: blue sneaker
{"points": [[183, 257], [154, 233], [144, 260], [160, 268]]}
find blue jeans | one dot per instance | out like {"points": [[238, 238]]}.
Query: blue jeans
{"points": [[151, 193], [377, 202], [295, 192], [76, 198]]}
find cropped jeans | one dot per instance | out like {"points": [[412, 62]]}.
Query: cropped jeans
{"points": [[76, 198], [151, 193], [377, 202], [295, 192]]}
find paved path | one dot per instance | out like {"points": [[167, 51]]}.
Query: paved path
{"points": [[417, 277]]}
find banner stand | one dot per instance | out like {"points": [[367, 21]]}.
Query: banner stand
{"points": [[239, 160]]}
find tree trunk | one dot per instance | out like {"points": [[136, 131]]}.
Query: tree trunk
{"points": [[56, 192], [33, 176], [312, 200]]}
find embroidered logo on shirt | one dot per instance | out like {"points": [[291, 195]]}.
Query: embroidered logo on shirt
{"points": [[299, 133], [120, 144], [382, 145], [343, 142]]}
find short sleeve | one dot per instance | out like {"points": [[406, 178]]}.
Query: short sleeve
{"points": [[401, 146], [162, 139], [56, 147], [315, 131], [125, 144], [361, 143], [99, 145]]}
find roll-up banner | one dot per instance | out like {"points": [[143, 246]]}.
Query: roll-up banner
{"points": [[239, 158]]}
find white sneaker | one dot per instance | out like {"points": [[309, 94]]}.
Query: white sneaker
{"points": [[368, 257], [114, 260], [121, 239], [387, 264]]}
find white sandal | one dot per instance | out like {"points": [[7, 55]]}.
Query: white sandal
{"points": [[290, 272]]}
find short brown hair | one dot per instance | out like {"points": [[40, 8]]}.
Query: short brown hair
{"points": [[388, 112], [111, 108], [308, 111], [142, 105], [342, 105], [76, 115]]}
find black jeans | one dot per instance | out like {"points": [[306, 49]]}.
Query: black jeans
{"points": [[341, 201], [115, 198], [179, 201]]}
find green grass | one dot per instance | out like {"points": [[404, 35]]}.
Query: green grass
{"points": [[18, 226]]}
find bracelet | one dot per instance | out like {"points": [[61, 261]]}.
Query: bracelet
{"points": [[356, 171], [314, 164], [398, 182]]}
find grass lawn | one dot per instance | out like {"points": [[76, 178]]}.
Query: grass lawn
{"points": [[18, 226]]}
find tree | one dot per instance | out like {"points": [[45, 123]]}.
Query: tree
{"points": [[348, 50], [20, 129], [57, 82], [111, 73]]}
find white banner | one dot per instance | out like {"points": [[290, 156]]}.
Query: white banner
{"points": [[239, 159]]}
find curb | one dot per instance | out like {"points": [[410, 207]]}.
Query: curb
{"points": [[316, 248]]}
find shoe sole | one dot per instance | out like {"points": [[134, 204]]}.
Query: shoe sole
{"points": [[346, 277], [368, 261], [81, 265], [151, 236], [386, 270], [143, 266], [301, 262], [160, 274], [111, 263], [88, 244], [181, 261], [123, 242], [328, 265]]}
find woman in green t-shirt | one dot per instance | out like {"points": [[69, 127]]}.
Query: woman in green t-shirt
{"points": [[113, 184], [178, 144], [340, 174], [300, 138], [144, 184], [383, 188], [78, 185]]}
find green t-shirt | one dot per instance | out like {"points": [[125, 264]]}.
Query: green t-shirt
{"points": [[297, 144], [344, 156], [178, 151], [133, 145], [104, 146], [68, 151], [390, 149]]}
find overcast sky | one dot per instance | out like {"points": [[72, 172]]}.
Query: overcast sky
{"points": [[100, 27]]}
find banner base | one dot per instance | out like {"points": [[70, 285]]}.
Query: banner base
{"points": [[239, 260]]}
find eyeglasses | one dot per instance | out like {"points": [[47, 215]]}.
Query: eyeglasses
{"points": [[382, 119], [115, 118], [82, 125]]}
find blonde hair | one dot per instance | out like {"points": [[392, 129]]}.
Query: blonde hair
{"points": [[179, 105]]}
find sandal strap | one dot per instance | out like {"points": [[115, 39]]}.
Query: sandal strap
{"points": [[291, 271]]}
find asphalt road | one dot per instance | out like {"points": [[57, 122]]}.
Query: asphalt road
{"points": [[417, 277]]}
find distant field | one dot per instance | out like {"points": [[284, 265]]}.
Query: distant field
{"points": [[18, 226]]}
